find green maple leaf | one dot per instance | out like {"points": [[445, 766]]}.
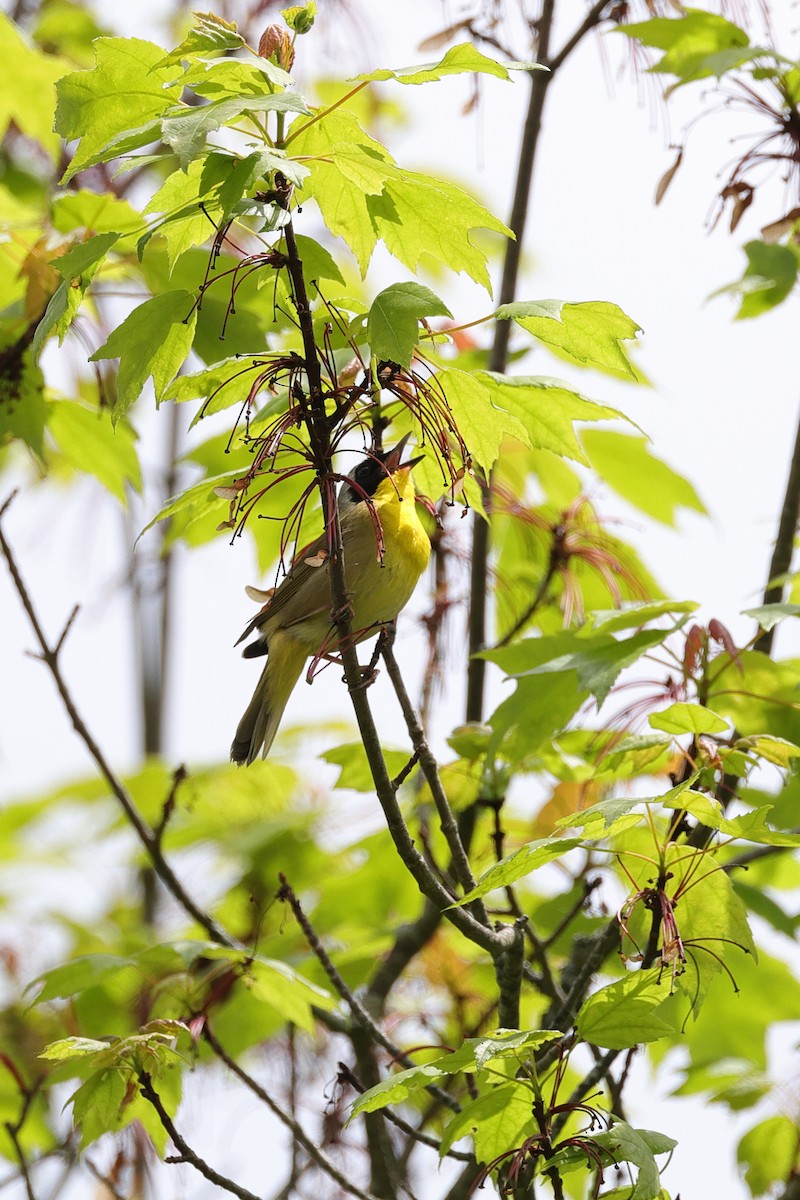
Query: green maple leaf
{"points": [[393, 321], [459, 60], [480, 422], [589, 334], [28, 92], [152, 342], [547, 408], [126, 93]]}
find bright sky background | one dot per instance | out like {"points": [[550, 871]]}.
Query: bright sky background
{"points": [[722, 410]]}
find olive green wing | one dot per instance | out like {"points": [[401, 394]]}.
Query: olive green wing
{"points": [[304, 593]]}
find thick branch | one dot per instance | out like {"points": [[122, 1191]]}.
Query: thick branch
{"points": [[784, 543], [508, 967], [498, 359]]}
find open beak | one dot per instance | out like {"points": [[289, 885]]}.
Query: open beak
{"points": [[393, 462]]}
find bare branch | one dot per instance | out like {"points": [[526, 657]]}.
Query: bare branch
{"points": [[430, 770], [354, 1004], [296, 1130], [187, 1154], [784, 544], [417, 1134], [49, 656], [508, 967]]}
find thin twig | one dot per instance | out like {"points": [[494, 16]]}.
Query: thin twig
{"points": [[595, 1076], [424, 1138], [104, 1180], [49, 656], [354, 1004], [589, 22], [13, 1128], [589, 886], [294, 1127], [430, 770], [187, 1154]]}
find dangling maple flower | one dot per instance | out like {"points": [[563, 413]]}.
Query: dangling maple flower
{"points": [[575, 538]]}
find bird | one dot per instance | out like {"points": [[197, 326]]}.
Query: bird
{"points": [[296, 622]]}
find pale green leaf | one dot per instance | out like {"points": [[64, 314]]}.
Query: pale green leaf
{"points": [[97, 1105], [776, 750], [78, 267], [547, 408], [519, 863], [482, 425], [598, 660], [72, 1047], [419, 217], [355, 162], [626, 464], [182, 222], [153, 342], [81, 262], [590, 333], [210, 34], [696, 45], [457, 61], [624, 1013], [76, 976], [337, 190], [28, 96], [90, 442], [186, 128], [215, 79], [394, 317], [496, 1120], [769, 277], [354, 770], [768, 1153], [712, 915], [638, 1147], [22, 405], [634, 614], [688, 718], [770, 615], [292, 996], [475, 1054], [197, 502], [124, 93]]}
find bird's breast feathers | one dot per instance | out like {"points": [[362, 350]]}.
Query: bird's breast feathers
{"points": [[380, 589]]}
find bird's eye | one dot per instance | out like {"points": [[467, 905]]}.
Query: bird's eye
{"points": [[367, 475]]}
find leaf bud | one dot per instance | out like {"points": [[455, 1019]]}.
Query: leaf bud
{"points": [[276, 45], [300, 17]]}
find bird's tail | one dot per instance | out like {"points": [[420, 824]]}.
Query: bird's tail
{"points": [[260, 722]]}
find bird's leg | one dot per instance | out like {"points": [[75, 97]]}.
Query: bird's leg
{"points": [[370, 672]]}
